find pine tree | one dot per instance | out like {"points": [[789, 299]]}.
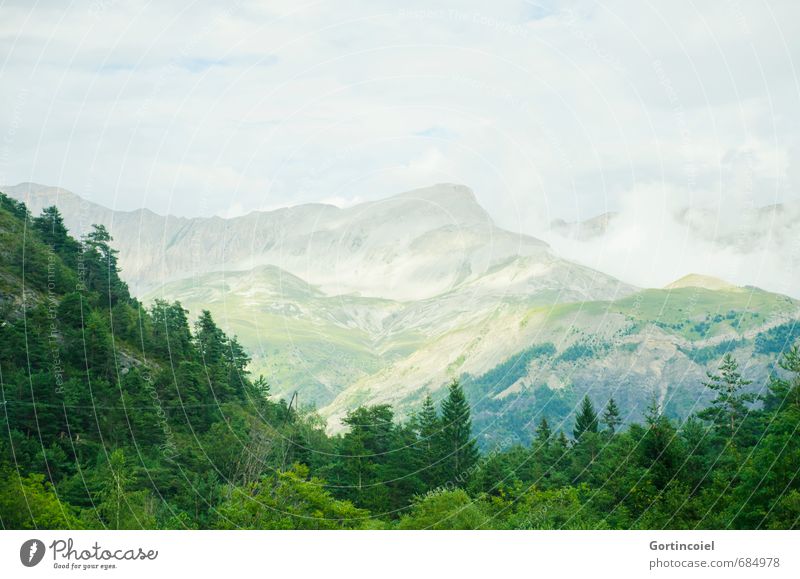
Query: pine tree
{"points": [[659, 446], [543, 433], [428, 425], [211, 340], [730, 405], [53, 232], [102, 270], [170, 330], [456, 435], [785, 392], [236, 360], [261, 386], [586, 421], [611, 416], [428, 429]]}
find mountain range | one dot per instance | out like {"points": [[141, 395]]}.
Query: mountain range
{"points": [[385, 301]]}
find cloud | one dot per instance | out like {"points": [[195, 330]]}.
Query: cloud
{"points": [[546, 109], [655, 239]]}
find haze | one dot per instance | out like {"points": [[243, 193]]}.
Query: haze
{"points": [[545, 109]]}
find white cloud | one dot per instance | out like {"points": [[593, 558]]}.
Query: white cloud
{"points": [[546, 109]]}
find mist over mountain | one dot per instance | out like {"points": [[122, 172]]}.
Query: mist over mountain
{"points": [[651, 245]]}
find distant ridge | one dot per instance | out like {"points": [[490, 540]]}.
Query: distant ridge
{"points": [[701, 281], [415, 245]]}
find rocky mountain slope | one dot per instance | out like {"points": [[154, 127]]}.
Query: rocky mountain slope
{"points": [[411, 246]]}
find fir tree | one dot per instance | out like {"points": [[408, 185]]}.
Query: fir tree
{"points": [[658, 447], [785, 392], [211, 340], [102, 271], [586, 421], [611, 416], [53, 232], [730, 405], [543, 433], [428, 427], [456, 435]]}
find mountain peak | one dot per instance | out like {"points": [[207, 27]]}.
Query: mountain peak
{"points": [[459, 201], [441, 189], [35, 191], [697, 280], [444, 193]]}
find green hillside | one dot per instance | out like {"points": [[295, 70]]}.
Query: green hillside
{"points": [[302, 339], [605, 347]]}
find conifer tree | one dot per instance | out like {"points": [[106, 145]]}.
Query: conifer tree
{"points": [[543, 433], [611, 416], [586, 420], [53, 232], [210, 339], [785, 392], [730, 405], [456, 435], [102, 270], [428, 426], [659, 446]]}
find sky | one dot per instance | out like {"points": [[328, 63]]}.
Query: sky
{"points": [[545, 109]]}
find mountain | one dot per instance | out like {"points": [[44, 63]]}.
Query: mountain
{"points": [[386, 301], [323, 296], [523, 361], [412, 246], [118, 416], [700, 281]]}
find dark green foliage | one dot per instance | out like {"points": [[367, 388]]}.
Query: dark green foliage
{"points": [[100, 269], [778, 339], [729, 407], [658, 449], [543, 433], [53, 233], [713, 353], [586, 420], [611, 416], [429, 446], [583, 349], [459, 447]]}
